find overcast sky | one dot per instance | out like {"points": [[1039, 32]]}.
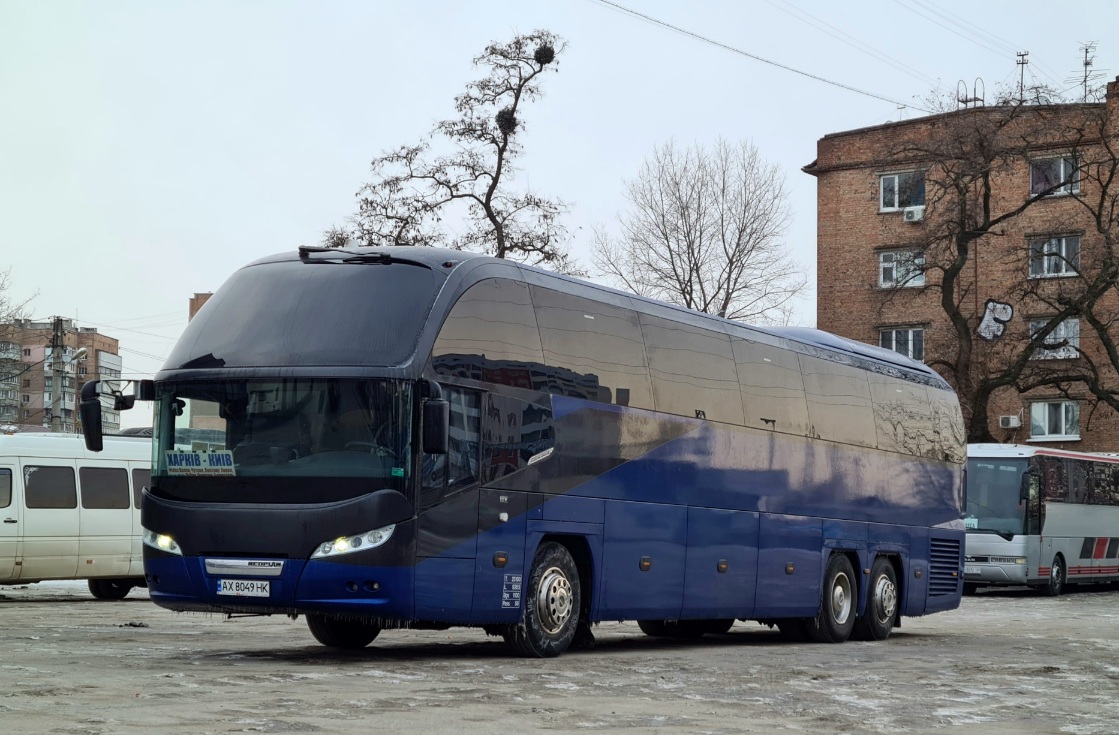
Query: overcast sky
{"points": [[148, 149]]}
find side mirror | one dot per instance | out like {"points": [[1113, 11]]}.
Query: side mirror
{"points": [[1028, 480], [436, 426], [90, 410]]}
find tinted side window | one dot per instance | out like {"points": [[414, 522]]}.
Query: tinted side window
{"points": [[903, 417], [140, 480], [490, 335], [838, 401], [948, 424], [444, 474], [513, 431], [692, 370], [5, 488], [49, 487], [104, 487], [772, 388], [594, 350]]}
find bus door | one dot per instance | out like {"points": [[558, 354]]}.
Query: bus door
{"points": [[1037, 558], [50, 520], [447, 527], [9, 522]]}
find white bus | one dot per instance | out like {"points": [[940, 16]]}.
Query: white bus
{"points": [[1040, 517], [68, 513]]}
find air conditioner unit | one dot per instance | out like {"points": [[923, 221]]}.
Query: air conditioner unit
{"points": [[914, 214], [1009, 422]]}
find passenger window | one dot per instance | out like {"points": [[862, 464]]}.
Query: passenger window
{"points": [[692, 371], [838, 402], [491, 336], [5, 488], [513, 432], [140, 480], [593, 350], [49, 487], [445, 474], [104, 487], [948, 425], [903, 417], [772, 388]]}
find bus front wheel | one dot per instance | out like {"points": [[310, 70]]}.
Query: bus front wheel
{"points": [[552, 603], [1056, 577], [836, 619], [338, 633]]}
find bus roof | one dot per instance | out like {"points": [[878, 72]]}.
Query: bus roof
{"points": [[46, 444], [1003, 451]]}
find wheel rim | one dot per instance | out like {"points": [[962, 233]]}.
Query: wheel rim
{"points": [[885, 599], [841, 599], [553, 600], [1055, 574]]}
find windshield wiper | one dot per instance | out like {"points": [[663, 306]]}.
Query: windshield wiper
{"points": [[350, 256]]}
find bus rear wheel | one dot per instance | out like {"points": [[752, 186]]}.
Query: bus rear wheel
{"points": [[338, 633], [836, 619], [109, 589], [553, 601], [877, 622]]}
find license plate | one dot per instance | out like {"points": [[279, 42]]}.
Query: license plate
{"points": [[971, 570], [244, 587]]}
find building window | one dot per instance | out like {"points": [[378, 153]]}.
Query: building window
{"points": [[1061, 173], [1055, 420], [27, 414], [27, 352], [898, 191], [900, 268], [1057, 256], [1063, 343], [909, 341], [27, 382], [26, 398]]}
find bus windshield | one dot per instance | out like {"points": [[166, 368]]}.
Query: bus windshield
{"points": [[225, 433], [994, 488]]}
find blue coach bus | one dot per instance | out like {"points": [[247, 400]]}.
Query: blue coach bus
{"points": [[410, 437]]}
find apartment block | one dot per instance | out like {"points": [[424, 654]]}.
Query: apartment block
{"points": [[982, 241]]}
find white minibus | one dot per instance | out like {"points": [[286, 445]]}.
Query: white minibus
{"points": [[68, 513]]}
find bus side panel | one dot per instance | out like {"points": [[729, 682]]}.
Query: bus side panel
{"points": [[790, 566], [105, 534], [916, 584], [722, 564], [445, 589], [637, 532], [500, 567]]}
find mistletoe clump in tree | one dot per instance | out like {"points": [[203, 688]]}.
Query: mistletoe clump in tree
{"points": [[414, 188]]}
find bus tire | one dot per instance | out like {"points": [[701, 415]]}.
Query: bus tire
{"points": [[109, 589], [877, 621], [1056, 583], [338, 633], [836, 619], [552, 605]]}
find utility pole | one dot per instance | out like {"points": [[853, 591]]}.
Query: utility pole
{"points": [[56, 375], [1022, 60]]}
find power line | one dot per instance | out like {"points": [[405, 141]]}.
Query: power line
{"points": [[755, 57]]}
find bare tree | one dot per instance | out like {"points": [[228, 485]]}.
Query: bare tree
{"points": [[415, 190], [1020, 337], [704, 230], [10, 365]]}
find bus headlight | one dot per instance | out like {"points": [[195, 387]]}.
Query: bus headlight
{"points": [[360, 542], [162, 542]]}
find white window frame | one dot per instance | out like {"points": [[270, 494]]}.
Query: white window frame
{"points": [[896, 176], [1053, 255], [1067, 416], [1068, 330], [904, 272], [893, 341], [1071, 187]]}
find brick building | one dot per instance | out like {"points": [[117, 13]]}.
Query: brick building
{"points": [[970, 240], [27, 380]]}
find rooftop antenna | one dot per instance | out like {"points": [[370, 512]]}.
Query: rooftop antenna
{"points": [[1022, 61], [1087, 77], [978, 89]]}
